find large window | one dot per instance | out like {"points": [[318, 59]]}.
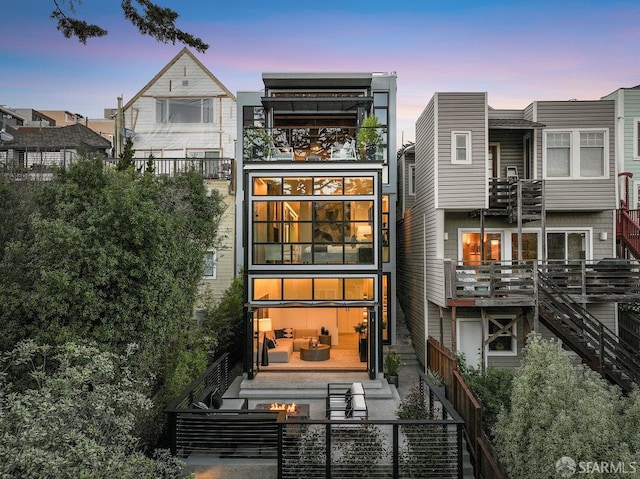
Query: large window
{"points": [[312, 289], [321, 220], [184, 110], [475, 252], [576, 154], [567, 245], [461, 147]]}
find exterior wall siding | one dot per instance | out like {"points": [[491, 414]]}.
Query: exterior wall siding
{"points": [[174, 140], [631, 162], [587, 194], [461, 112]]}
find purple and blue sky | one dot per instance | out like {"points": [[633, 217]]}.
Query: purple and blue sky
{"points": [[516, 51]]}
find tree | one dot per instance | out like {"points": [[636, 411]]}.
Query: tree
{"points": [[148, 17], [223, 320], [70, 412], [558, 410], [110, 256]]}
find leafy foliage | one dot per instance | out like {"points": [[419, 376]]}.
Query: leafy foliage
{"points": [[492, 387], [148, 17], [223, 321], [70, 412], [561, 409], [109, 256]]}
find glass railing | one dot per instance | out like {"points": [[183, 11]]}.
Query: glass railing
{"points": [[315, 144]]}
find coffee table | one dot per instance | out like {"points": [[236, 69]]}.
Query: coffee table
{"points": [[321, 352]]}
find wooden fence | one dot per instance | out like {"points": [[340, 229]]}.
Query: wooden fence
{"points": [[483, 455]]}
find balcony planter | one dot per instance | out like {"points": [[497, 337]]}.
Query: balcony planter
{"points": [[368, 138]]}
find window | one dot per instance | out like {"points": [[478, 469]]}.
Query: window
{"points": [[576, 154], [184, 110], [412, 180], [636, 138], [502, 336], [461, 147], [329, 220], [567, 245], [210, 260]]}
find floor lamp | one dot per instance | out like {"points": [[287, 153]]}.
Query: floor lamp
{"points": [[264, 325]]}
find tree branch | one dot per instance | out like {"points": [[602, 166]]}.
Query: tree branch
{"points": [[155, 21]]}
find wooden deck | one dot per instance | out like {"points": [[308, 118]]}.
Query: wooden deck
{"points": [[495, 283]]}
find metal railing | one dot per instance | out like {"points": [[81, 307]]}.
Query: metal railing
{"points": [[315, 144], [211, 168], [309, 448], [464, 401]]}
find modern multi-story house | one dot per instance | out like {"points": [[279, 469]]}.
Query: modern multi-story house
{"points": [[316, 218], [185, 118], [508, 215]]}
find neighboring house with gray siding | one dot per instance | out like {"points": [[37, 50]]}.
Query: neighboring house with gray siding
{"points": [[501, 195]]}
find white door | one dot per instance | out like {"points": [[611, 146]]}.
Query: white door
{"points": [[470, 341]]}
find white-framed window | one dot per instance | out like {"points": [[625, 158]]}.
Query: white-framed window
{"points": [[568, 244], [636, 138], [210, 263], [461, 147], [576, 154], [502, 334], [412, 180], [184, 110]]}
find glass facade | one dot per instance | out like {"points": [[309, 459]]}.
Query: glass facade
{"points": [[313, 220], [325, 288]]}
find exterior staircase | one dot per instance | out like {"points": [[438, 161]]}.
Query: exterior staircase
{"points": [[598, 347], [628, 230]]}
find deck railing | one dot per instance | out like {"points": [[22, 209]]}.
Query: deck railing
{"points": [[315, 144], [491, 279], [600, 280], [211, 168], [510, 195], [628, 230], [443, 361]]}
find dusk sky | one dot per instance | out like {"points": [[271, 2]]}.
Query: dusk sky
{"points": [[516, 51]]}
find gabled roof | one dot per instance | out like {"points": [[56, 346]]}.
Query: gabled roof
{"points": [[57, 138], [182, 52]]}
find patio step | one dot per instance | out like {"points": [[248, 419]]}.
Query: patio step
{"points": [[308, 385]]}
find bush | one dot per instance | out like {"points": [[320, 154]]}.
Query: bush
{"points": [[561, 409]]}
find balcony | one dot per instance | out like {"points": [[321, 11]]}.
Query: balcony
{"points": [[210, 168], [512, 283], [314, 144], [508, 196]]}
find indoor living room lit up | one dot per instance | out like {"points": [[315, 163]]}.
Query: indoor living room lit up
{"points": [[326, 338]]}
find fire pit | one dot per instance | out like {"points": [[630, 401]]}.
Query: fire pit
{"points": [[290, 409]]}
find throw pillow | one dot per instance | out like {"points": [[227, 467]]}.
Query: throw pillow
{"points": [[271, 343], [288, 332], [279, 333]]}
